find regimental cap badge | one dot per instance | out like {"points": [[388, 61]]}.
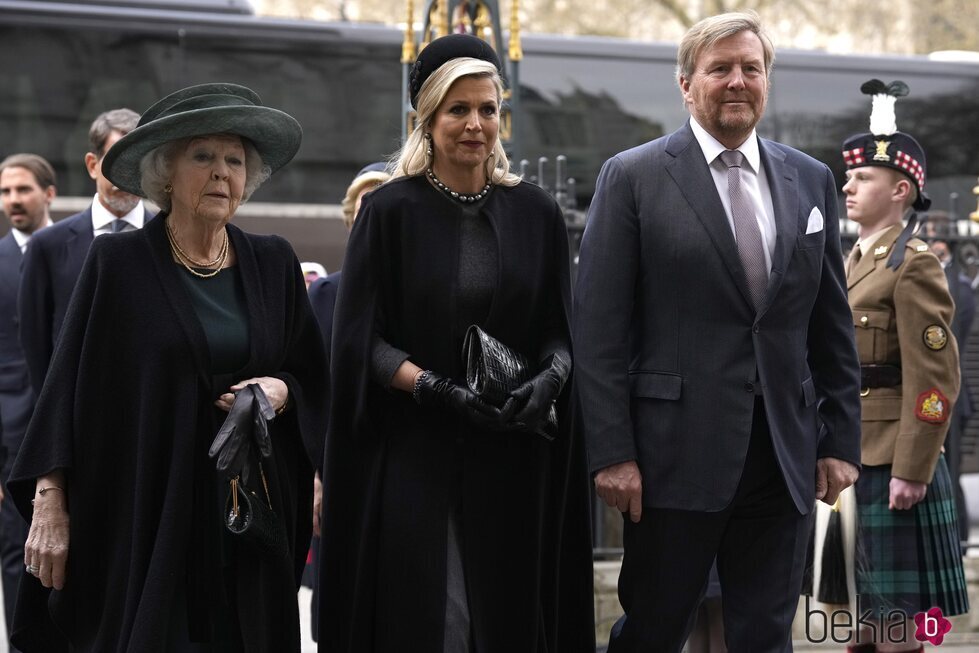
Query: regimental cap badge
{"points": [[932, 406], [881, 153], [935, 337], [884, 145]]}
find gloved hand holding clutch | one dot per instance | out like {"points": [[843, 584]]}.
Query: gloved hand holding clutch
{"points": [[432, 389], [531, 402]]}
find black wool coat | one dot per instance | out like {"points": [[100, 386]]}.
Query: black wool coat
{"points": [[127, 411], [394, 469]]}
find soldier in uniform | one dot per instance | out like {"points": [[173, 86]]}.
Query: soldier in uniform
{"points": [[907, 553]]}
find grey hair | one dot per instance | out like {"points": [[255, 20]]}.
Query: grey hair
{"points": [[116, 120], [411, 159], [156, 170], [711, 30]]}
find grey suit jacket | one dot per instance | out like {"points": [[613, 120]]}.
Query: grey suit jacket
{"points": [[667, 341]]}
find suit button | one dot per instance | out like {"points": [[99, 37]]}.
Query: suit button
{"points": [[864, 320], [749, 387], [756, 329]]}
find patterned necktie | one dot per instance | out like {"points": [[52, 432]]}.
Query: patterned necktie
{"points": [[118, 225], [746, 230]]}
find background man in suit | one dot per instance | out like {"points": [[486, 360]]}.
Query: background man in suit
{"points": [[960, 288], [54, 262], [26, 190], [715, 360]]}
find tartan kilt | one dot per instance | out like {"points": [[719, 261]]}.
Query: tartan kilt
{"points": [[908, 560]]}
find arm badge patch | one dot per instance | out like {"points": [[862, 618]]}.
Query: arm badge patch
{"points": [[932, 406], [935, 337]]}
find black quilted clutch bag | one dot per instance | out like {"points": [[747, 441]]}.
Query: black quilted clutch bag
{"points": [[493, 371]]}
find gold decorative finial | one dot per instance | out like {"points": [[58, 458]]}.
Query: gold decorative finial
{"points": [[516, 51], [408, 47], [443, 18], [974, 216]]}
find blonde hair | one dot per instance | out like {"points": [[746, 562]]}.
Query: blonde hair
{"points": [[711, 30], [412, 159], [368, 180]]}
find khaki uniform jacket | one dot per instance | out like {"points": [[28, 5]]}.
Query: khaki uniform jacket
{"points": [[903, 317]]}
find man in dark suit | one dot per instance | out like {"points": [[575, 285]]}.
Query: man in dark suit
{"points": [[53, 263], [714, 354], [960, 287], [27, 187]]}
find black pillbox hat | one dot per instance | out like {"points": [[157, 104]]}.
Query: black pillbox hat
{"points": [[445, 49]]}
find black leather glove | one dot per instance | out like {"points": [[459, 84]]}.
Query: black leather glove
{"points": [[532, 401], [434, 390], [245, 427]]}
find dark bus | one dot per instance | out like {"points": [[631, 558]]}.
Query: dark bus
{"points": [[586, 98]]}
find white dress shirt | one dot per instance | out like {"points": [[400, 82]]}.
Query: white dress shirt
{"points": [[754, 182], [102, 218], [22, 239]]}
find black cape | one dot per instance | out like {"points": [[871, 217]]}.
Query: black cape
{"points": [[393, 469], [127, 410]]}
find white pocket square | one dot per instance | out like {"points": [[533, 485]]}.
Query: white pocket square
{"points": [[815, 221]]}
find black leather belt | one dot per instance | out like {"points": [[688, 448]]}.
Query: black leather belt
{"points": [[879, 376]]}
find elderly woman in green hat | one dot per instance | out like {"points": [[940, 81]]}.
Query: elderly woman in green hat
{"points": [[127, 549]]}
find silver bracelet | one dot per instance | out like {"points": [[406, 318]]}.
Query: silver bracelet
{"points": [[416, 390]]}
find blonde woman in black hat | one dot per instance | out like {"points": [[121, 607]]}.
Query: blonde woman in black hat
{"points": [[165, 326], [907, 551], [449, 523]]}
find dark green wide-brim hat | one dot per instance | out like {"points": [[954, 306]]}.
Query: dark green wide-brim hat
{"points": [[200, 111]]}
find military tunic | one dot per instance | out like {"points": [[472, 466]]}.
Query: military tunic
{"points": [[903, 318], [905, 559]]}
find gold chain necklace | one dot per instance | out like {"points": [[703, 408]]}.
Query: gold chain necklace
{"points": [[189, 263]]}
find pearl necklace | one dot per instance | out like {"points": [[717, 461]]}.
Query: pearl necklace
{"points": [[189, 264], [465, 199]]}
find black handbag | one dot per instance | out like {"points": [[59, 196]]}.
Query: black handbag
{"points": [[493, 371], [242, 439], [251, 517]]}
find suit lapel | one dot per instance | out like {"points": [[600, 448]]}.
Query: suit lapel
{"points": [[784, 186], [692, 176], [10, 262], [79, 241]]}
